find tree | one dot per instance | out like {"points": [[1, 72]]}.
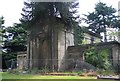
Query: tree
{"points": [[103, 17], [78, 35], [35, 11], [1, 42], [43, 20], [14, 40], [1, 29], [59, 12]]}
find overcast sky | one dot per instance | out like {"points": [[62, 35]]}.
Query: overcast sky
{"points": [[11, 9]]}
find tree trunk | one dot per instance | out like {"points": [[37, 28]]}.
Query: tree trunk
{"points": [[28, 54], [31, 52], [105, 35]]}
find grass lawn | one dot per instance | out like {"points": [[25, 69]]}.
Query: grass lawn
{"points": [[30, 77]]}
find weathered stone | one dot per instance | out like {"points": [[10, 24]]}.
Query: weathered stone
{"points": [[22, 60], [76, 53]]}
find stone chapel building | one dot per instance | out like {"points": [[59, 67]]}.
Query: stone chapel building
{"points": [[47, 48]]}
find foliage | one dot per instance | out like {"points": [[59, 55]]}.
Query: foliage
{"points": [[14, 71], [103, 17], [1, 39], [38, 71], [1, 28], [14, 41], [34, 11], [103, 55], [78, 35], [16, 35], [80, 72], [105, 72], [98, 58], [60, 12]]}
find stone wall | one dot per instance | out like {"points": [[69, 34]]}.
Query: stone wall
{"points": [[41, 47], [76, 53], [116, 54], [65, 39], [22, 60], [47, 46]]}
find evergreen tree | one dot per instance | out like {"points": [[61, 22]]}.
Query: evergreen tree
{"points": [[34, 11], [103, 17], [1, 29], [65, 11], [78, 35], [14, 41]]}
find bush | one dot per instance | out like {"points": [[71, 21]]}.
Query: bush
{"points": [[105, 72], [80, 72], [38, 70], [15, 71], [98, 57]]}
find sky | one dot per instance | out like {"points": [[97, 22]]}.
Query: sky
{"points": [[11, 9]]}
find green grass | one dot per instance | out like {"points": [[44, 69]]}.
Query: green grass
{"points": [[30, 76]]}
